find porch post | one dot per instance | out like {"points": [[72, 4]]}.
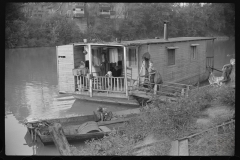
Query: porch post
{"points": [[125, 68], [213, 55], [90, 69]]}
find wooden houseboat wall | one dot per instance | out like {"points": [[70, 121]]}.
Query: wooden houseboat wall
{"points": [[186, 69], [65, 65]]}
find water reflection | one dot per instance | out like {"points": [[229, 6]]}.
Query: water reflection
{"points": [[14, 137], [38, 148], [223, 52]]}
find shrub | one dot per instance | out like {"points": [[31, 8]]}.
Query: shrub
{"points": [[227, 96], [165, 119]]}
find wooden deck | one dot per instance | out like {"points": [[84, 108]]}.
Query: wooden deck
{"points": [[116, 98]]}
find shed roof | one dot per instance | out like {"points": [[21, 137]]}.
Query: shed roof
{"points": [[150, 41], [155, 41]]}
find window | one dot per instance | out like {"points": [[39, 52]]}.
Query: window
{"points": [[102, 10], [132, 56], [171, 57], [79, 9], [193, 52]]}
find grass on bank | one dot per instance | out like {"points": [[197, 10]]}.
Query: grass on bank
{"points": [[168, 121]]}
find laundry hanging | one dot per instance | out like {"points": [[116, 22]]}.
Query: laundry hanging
{"points": [[96, 58], [113, 55]]}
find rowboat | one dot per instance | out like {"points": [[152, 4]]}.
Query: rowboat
{"points": [[85, 131], [78, 128]]}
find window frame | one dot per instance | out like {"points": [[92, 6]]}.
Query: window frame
{"points": [[194, 52], [174, 51], [104, 11]]}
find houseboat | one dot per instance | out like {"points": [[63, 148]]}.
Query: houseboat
{"points": [[181, 62]]}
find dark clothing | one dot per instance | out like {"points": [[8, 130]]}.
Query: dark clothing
{"points": [[158, 78], [226, 73]]}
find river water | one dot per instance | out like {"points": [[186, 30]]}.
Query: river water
{"points": [[31, 91]]}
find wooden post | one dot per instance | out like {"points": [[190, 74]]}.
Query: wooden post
{"points": [[187, 92], [213, 56], [60, 140], [155, 88], [125, 67], [57, 68], [90, 69], [137, 49], [182, 92]]}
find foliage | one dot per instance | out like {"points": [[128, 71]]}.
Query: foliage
{"points": [[164, 119], [141, 21], [226, 95], [213, 143], [51, 30]]}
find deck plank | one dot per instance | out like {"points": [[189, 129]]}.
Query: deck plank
{"points": [[174, 148], [183, 148]]}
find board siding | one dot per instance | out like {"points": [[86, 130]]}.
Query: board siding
{"points": [[184, 66], [65, 66]]}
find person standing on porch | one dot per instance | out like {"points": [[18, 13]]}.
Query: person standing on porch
{"points": [[151, 72], [154, 76]]}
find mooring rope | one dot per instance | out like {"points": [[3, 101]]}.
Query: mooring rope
{"points": [[195, 134]]}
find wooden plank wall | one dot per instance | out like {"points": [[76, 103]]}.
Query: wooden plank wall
{"points": [[65, 66], [184, 67]]}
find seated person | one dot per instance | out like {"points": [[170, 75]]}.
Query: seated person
{"points": [[102, 114], [82, 65], [82, 69], [118, 69], [109, 74], [112, 69]]}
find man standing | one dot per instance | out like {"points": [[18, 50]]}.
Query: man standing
{"points": [[227, 70]]}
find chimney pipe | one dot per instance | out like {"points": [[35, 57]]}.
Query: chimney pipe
{"points": [[166, 30]]}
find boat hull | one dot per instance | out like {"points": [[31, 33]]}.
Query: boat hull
{"points": [[71, 134], [114, 100], [47, 139]]}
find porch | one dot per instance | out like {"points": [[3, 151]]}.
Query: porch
{"points": [[115, 90]]}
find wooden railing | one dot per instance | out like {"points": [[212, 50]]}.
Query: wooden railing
{"points": [[101, 83], [82, 83], [168, 88], [113, 84]]}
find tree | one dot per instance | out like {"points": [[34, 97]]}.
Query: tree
{"points": [[14, 19]]}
